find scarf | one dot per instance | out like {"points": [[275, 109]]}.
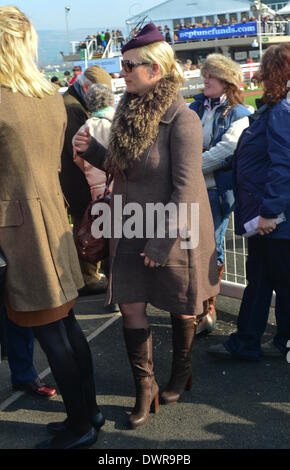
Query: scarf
{"points": [[107, 113], [80, 91], [136, 124]]}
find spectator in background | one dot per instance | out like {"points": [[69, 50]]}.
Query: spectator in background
{"points": [[99, 42], [261, 168], [56, 83], [115, 38], [73, 182], [107, 36], [100, 102], [19, 346], [66, 78], [167, 35], [188, 65], [103, 39], [77, 70], [120, 38], [224, 117]]}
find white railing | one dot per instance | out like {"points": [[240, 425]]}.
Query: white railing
{"points": [[248, 70], [108, 50], [92, 48], [274, 28], [235, 249], [113, 48]]}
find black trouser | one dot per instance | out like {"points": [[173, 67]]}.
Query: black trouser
{"points": [[70, 360], [268, 270]]}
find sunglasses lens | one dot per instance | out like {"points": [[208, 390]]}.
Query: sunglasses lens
{"points": [[127, 66]]}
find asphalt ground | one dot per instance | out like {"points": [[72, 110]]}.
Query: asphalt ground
{"points": [[233, 404]]}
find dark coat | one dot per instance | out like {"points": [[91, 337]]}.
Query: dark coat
{"points": [[261, 168], [73, 181], [43, 268], [169, 170]]}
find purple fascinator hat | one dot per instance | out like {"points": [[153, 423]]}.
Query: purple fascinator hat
{"points": [[147, 35]]}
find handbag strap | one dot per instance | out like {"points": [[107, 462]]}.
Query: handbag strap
{"points": [[110, 177]]}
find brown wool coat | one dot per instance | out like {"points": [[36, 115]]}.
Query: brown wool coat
{"points": [[169, 170], [35, 236]]}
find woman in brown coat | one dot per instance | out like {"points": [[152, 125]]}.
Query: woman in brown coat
{"points": [[155, 155], [43, 274]]}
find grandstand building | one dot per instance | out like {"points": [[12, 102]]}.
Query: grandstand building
{"points": [[179, 16]]}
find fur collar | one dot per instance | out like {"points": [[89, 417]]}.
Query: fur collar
{"points": [[136, 124]]}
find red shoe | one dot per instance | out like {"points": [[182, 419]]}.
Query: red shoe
{"points": [[36, 387]]}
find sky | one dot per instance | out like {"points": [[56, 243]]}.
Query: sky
{"points": [[50, 14]]}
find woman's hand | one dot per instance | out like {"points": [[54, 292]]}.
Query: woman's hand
{"points": [[149, 263], [82, 140], [266, 226]]}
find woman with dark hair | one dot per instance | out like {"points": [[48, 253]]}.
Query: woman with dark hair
{"points": [[223, 117], [261, 168]]}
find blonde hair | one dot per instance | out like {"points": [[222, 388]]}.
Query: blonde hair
{"points": [[163, 54], [18, 51]]}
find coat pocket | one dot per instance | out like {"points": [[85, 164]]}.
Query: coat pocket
{"points": [[10, 214]]}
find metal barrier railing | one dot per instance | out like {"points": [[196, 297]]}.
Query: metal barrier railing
{"points": [[235, 250]]}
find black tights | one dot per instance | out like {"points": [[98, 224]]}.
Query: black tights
{"points": [[70, 360]]}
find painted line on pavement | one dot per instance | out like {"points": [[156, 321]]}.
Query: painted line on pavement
{"points": [[47, 371]]}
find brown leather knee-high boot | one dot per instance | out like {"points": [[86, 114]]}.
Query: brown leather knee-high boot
{"points": [[139, 348], [208, 320], [183, 332]]}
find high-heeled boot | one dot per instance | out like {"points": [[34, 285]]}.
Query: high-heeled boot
{"points": [[183, 332], [139, 348], [208, 319]]}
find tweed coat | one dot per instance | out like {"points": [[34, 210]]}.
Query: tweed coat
{"points": [[169, 170], [35, 235]]}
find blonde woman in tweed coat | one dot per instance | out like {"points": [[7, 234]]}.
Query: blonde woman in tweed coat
{"points": [[43, 275]]}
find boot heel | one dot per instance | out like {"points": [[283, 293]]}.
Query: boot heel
{"points": [[188, 386], [154, 408]]}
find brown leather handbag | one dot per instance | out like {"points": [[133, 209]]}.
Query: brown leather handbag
{"points": [[89, 248]]}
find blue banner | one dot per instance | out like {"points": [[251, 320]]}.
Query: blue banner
{"points": [[112, 65], [215, 32]]}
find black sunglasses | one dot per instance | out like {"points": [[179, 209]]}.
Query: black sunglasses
{"points": [[128, 66]]}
